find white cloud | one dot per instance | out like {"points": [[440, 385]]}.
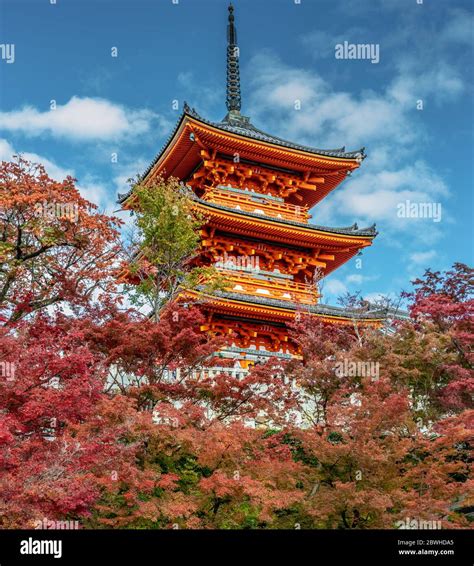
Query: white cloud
{"points": [[355, 278], [338, 117], [384, 119], [204, 97], [442, 83], [80, 119], [6, 150], [98, 194], [423, 258], [333, 287], [56, 172], [459, 28], [375, 194], [358, 279], [378, 297]]}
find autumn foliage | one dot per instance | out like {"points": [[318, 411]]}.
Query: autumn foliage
{"points": [[107, 416], [54, 245]]}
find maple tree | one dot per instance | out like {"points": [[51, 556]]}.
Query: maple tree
{"points": [[64, 426], [47, 468], [54, 245], [444, 304]]}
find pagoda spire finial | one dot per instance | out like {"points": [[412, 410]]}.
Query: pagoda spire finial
{"points": [[233, 100]]}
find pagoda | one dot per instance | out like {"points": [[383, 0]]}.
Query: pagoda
{"points": [[255, 191]]}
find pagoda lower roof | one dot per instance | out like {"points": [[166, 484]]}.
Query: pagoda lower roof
{"points": [[314, 309], [276, 310]]}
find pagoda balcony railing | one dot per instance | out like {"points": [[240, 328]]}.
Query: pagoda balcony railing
{"points": [[261, 355], [171, 376], [258, 204], [285, 290], [245, 192], [247, 266]]}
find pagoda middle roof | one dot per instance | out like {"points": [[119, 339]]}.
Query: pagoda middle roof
{"points": [[353, 230]]}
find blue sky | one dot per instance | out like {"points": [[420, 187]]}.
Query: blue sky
{"points": [[168, 51]]}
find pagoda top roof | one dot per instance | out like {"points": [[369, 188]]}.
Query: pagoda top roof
{"points": [[236, 123]]}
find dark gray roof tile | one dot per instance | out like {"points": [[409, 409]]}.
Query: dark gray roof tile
{"points": [[315, 309]]}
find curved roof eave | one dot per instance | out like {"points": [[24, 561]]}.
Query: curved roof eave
{"points": [[249, 131], [353, 230], [329, 310], [243, 127]]}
